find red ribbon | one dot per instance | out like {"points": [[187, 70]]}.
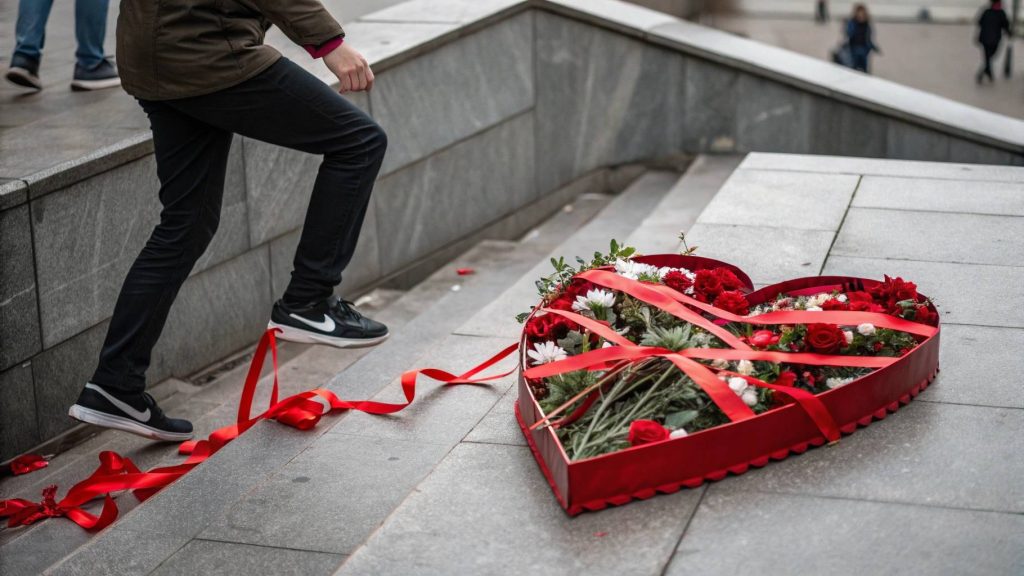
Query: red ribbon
{"points": [[303, 411]]}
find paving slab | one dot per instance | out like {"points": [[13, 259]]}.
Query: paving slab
{"points": [[979, 366], [998, 198], [619, 219], [487, 509], [126, 552], [932, 236], [878, 167], [440, 414], [225, 558], [766, 254], [964, 293], [683, 204], [947, 455], [499, 426], [772, 198], [745, 532], [330, 497]]}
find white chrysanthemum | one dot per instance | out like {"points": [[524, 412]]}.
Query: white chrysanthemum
{"points": [[745, 367], [848, 336], [720, 363], [813, 309], [866, 329], [837, 382], [678, 433], [544, 352], [817, 299], [595, 299], [841, 297], [634, 270], [738, 385], [749, 397]]}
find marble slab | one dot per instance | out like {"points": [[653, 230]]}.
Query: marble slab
{"points": [[491, 72]]}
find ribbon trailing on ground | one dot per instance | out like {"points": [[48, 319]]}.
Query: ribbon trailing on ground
{"points": [[303, 411]]}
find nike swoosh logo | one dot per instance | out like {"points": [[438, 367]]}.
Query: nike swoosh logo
{"points": [[327, 325], [140, 416]]}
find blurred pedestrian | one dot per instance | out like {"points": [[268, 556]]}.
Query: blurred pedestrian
{"points": [[859, 38], [992, 24], [821, 11], [93, 70]]}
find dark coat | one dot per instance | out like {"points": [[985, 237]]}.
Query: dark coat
{"points": [[991, 25], [170, 49]]}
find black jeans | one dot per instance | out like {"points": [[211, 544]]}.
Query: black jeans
{"points": [[988, 51], [284, 105]]}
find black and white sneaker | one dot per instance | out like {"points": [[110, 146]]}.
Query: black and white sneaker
{"points": [[104, 75], [333, 322], [24, 71], [135, 413]]}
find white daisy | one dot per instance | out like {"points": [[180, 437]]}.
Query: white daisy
{"points": [[545, 352], [633, 270], [595, 299]]}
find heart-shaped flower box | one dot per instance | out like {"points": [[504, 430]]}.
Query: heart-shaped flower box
{"points": [[664, 467]]}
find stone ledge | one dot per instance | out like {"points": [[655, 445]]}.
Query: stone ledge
{"points": [[804, 72]]}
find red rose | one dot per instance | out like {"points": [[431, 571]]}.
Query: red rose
{"points": [[563, 302], [877, 346], [763, 338], [646, 432], [859, 296], [728, 280], [824, 338], [707, 285], [678, 281], [833, 304], [733, 301], [786, 378], [925, 316], [549, 327], [862, 306]]}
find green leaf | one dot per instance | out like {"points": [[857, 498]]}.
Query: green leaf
{"points": [[677, 420]]}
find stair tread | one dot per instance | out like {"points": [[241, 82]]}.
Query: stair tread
{"points": [[497, 263]]}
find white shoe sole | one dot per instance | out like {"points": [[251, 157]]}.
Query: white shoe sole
{"points": [[90, 416], [95, 84], [23, 78], [292, 334]]}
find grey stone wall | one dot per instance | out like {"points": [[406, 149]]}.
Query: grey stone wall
{"points": [[490, 110]]}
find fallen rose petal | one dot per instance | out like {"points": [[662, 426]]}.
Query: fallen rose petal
{"points": [[465, 271], [28, 463]]}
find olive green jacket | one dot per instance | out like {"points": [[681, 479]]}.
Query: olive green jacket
{"points": [[170, 49]]}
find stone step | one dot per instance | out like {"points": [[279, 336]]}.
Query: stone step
{"points": [[486, 494], [180, 512]]}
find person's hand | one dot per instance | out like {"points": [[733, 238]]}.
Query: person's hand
{"points": [[351, 68]]}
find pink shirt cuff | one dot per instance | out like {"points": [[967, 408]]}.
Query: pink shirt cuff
{"points": [[325, 48]]}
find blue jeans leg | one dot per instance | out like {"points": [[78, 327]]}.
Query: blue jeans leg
{"points": [[30, 29], [90, 30]]}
